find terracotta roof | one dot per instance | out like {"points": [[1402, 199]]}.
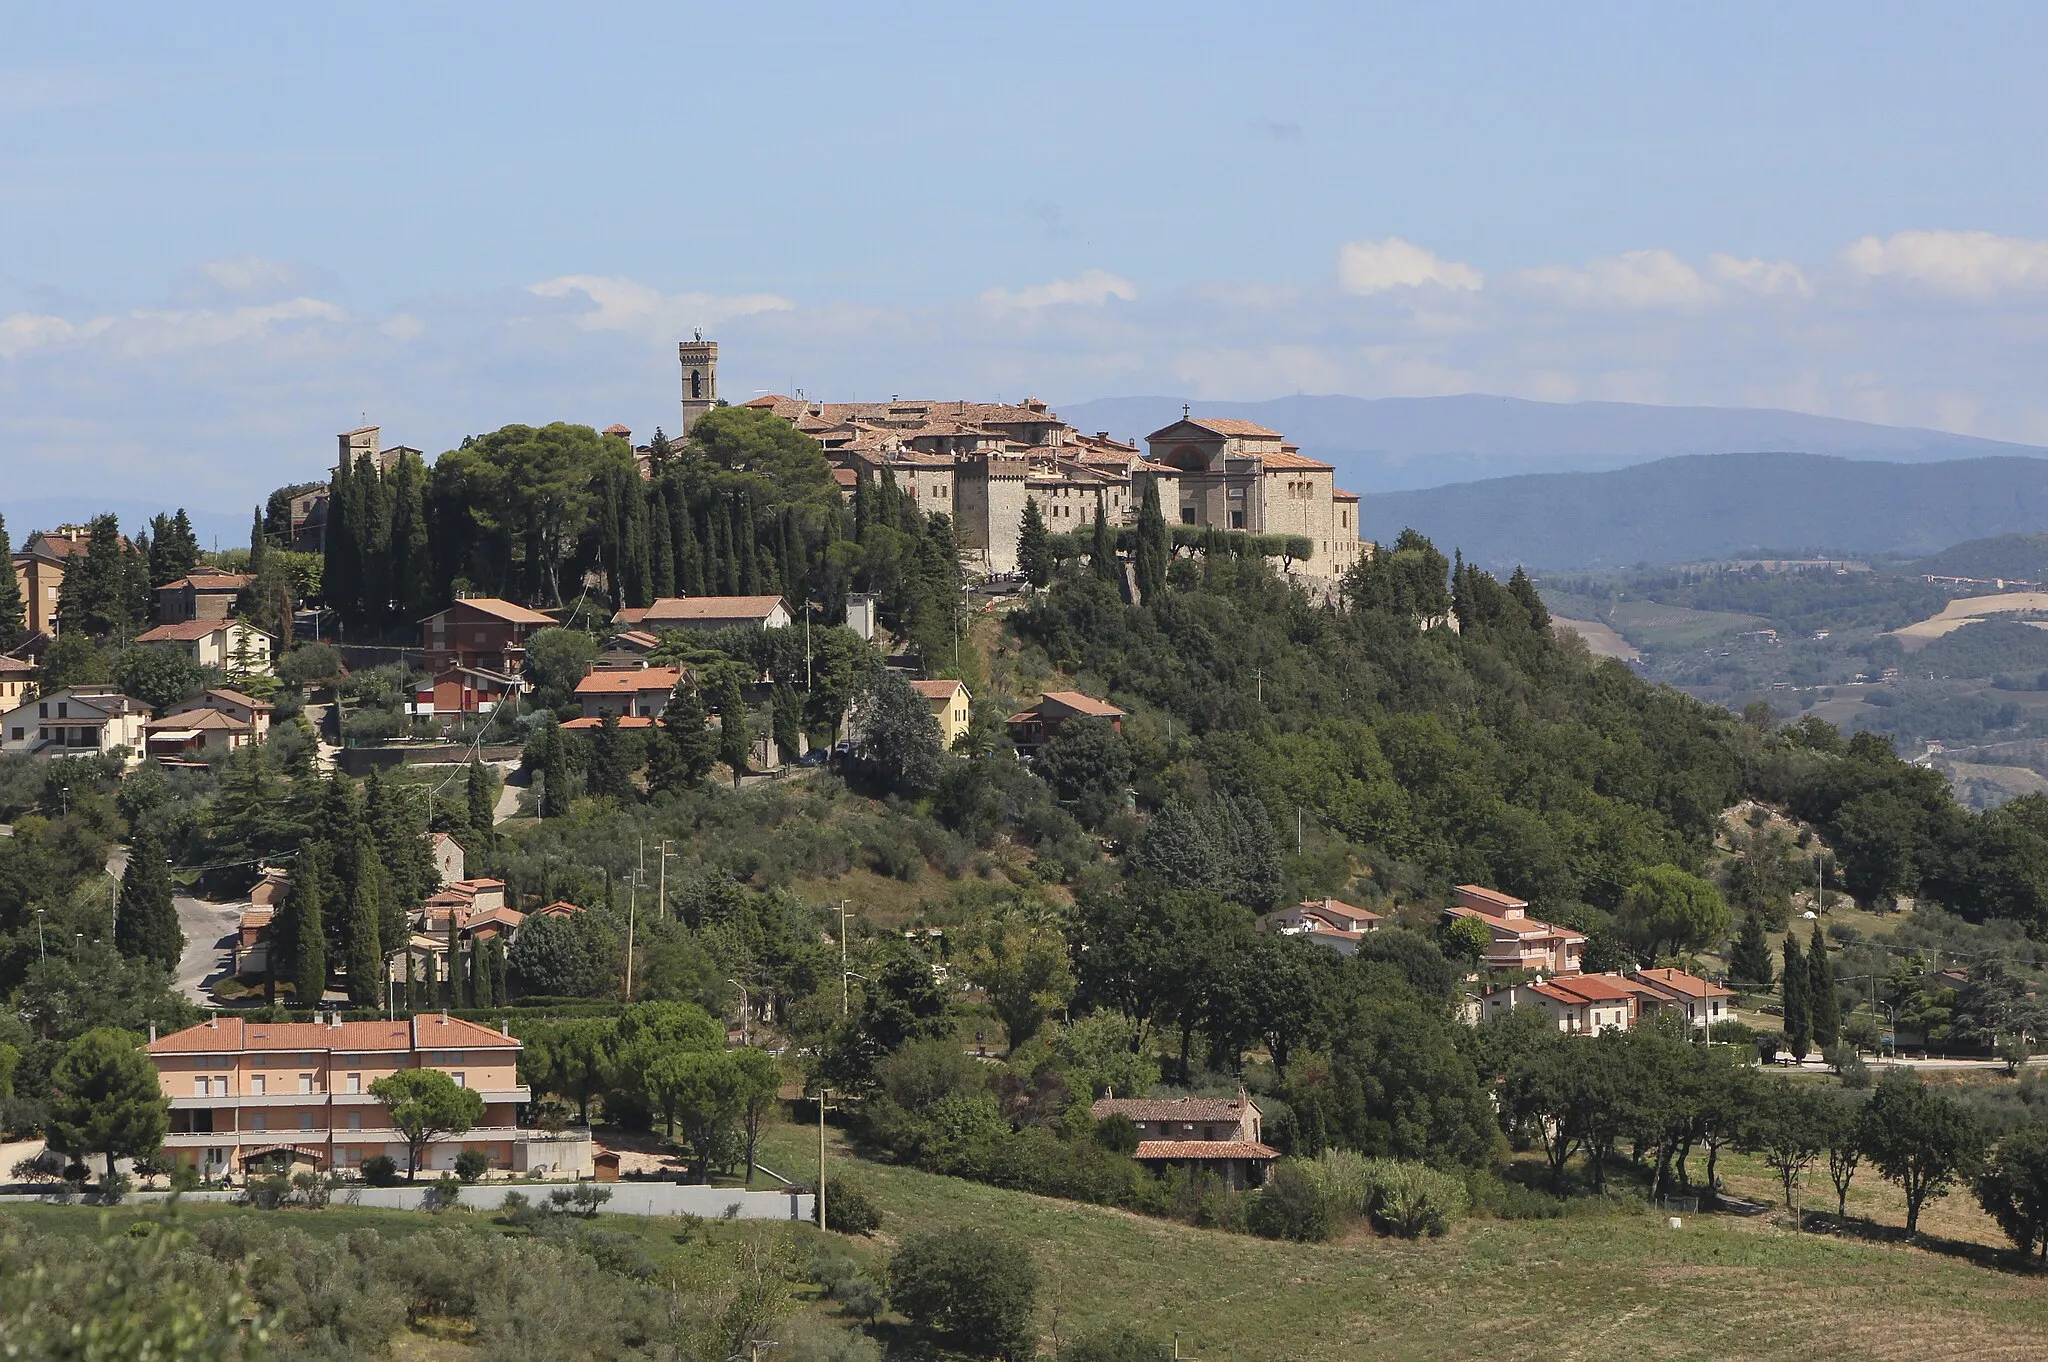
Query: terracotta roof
{"points": [[629, 681], [1593, 988], [1339, 494], [1339, 908], [1204, 1149], [185, 631], [235, 697], [559, 908], [210, 581], [846, 477], [624, 721], [1678, 981], [504, 917], [1170, 1109], [15, 664], [435, 1033], [1491, 896], [616, 429], [937, 690], [1084, 704], [1288, 458], [501, 609], [682, 608], [1521, 928], [196, 719], [637, 638], [260, 917]]}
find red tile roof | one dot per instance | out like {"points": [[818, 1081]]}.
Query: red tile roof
{"points": [[629, 680], [1287, 458], [1204, 1149], [1493, 896], [624, 721], [692, 608], [937, 690], [1593, 988], [185, 631], [1170, 1109], [1678, 981], [501, 609], [1084, 704]]}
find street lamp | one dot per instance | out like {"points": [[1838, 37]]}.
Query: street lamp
{"points": [[42, 951], [744, 1010]]}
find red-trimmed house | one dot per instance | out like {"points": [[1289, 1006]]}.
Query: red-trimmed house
{"points": [[1519, 941], [476, 655], [1327, 922], [1031, 728]]}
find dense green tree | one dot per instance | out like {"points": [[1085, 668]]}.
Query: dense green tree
{"points": [[1088, 764], [97, 597], [1824, 1008], [1667, 911], [480, 804], [1102, 559], [425, 1105], [410, 555], [570, 956], [612, 760], [897, 738], [1749, 964], [516, 512], [734, 741], [788, 714], [1921, 1139], [173, 548], [300, 935], [571, 1059], [159, 677], [1790, 1126], [972, 1287], [1022, 966], [1406, 578], [2013, 1188], [683, 749], [556, 659], [363, 951], [13, 616], [1152, 548], [1795, 993], [1034, 546], [148, 921], [105, 1099]]}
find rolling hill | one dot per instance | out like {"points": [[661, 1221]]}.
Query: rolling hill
{"points": [[1719, 506], [1399, 443], [2014, 557]]}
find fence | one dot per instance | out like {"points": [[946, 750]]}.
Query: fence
{"points": [[628, 1198]]}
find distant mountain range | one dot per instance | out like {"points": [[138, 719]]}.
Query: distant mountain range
{"points": [[1397, 443], [1720, 506]]}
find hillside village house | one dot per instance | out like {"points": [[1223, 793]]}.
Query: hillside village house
{"points": [[449, 858], [475, 655], [75, 721], [1701, 1002], [226, 644], [702, 614], [1588, 1004], [207, 593], [1519, 941], [1327, 922], [1238, 475], [640, 692], [220, 720], [1031, 728], [17, 681], [245, 1092], [1217, 1135], [39, 568], [951, 705]]}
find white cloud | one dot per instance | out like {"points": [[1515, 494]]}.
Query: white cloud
{"points": [[157, 331], [1766, 278], [1377, 266], [1090, 288], [1975, 265], [623, 304], [1631, 280]]}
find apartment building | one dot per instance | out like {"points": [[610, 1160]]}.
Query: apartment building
{"points": [[243, 1092]]}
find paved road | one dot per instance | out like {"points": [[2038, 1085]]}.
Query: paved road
{"points": [[207, 927]]}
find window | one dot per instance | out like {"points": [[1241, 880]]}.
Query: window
{"points": [[305, 1120], [257, 1083], [259, 1120], [199, 1090], [42, 711], [462, 1081], [1187, 515], [63, 710], [355, 1122], [220, 1087], [355, 1084], [1237, 520]]}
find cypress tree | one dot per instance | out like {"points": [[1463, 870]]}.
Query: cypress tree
{"points": [[750, 553], [611, 767], [411, 553], [259, 546], [1794, 989], [341, 568], [482, 808], [480, 974], [1152, 544], [1822, 1005], [451, 984], [13, 615], [789, 721], [374, 543], [1102, 555], [1750, 962], [689, 549], [638, 547], [683, 749], [1034, 546], [364, 950], [149, 921], [661, 545], [499, 984], [733, 739], [306, 934]]}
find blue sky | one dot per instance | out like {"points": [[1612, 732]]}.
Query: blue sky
{"points": [[228, 231]]}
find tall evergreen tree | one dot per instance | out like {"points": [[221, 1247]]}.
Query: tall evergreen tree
{"points": [[1750, 962], [684, 749], [482, 808], [97, 597], [661, 542], [734, 742], [451, 961], [404, 855], [789, 721], [480, 975], [1822, 1005], [611, 764], [1034, 546], [1102, 555], [374, 541], [412, 566], [341, 573], [1795, 989], [365, 949], [259, 546], [1153, 545], [13, 616], [148, 925], [306, 933], [689, 549], [173, 547]]}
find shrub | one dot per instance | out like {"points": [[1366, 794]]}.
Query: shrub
{"points": [[380, 1170], [472, 1164], [1118, 1134], [1505, 1200], [973, 1287], [1732, 1032], [1854, 1072], [444, 1193], [113, 1186], [1118, 1343], [1294, 1205], [849, 1209], [1413, 1199]]}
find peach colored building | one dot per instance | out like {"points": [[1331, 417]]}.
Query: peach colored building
{"points": [[1327, 922], [242, 1091], [1519, 941], [951, 705]]}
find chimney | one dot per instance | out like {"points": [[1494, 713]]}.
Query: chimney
{"points": [[152, 1033], [504, 1028], [214, 1021]]}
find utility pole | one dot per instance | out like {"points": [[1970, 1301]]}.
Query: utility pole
{"points": [[843, 995], [42, 951], [823, 1093], [1297, 829], [632, 919], [661, 902], [807, 645]]}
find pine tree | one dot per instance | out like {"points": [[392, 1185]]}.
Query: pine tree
{"points": [[482, 807], [306, 935], [1102, 555], [13, 616], [1750, 962], [148, 925], [611, 765], [173, 548], [684, 749], [661, 545], [1152, 545], [1795, 987], [1823, 1006], [689, 551], [733, 740], [364, 945], [97, 597]]}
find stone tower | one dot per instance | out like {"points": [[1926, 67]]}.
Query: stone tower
{"points": [[700, 378]]}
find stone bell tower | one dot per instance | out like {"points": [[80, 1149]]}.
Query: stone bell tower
{"points": [[700, 378]]}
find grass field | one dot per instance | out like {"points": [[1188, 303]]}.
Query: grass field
{"points": [[1618, 1282]]}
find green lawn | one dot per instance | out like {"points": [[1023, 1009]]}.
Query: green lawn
{"points": [[1720, 1287]]}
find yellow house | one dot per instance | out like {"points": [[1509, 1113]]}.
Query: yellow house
{"points": [[951, 706]]}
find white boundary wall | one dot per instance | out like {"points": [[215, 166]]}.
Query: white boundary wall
{"points": [[628, 1198]]}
